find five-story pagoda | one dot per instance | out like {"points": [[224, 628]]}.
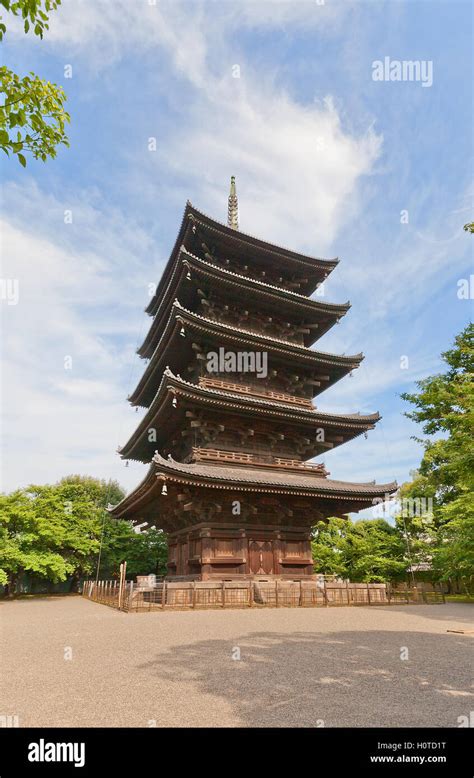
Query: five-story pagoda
{"points": [[230, 423]]}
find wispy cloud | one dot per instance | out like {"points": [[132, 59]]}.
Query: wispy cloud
{"points": [[68, 345]]}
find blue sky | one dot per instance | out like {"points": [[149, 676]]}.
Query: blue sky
{"points": [[326, 159]]}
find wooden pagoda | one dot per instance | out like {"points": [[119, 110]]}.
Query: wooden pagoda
{"points": [[228, 447]]}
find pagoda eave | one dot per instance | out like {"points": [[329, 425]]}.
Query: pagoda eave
{"points": [[319, 315], [318, 268], [165, 412], [147, 498], [173, 350]]}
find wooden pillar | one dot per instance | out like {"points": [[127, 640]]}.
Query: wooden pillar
{"points": [[277, 553], [243, 550], [206, 549]]}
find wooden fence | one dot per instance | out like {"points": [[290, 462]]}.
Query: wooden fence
{"points": [[247, 594]]}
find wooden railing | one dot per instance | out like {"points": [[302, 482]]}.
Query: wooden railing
{"points": [[264, 591], [236, 457], [227, 386]]}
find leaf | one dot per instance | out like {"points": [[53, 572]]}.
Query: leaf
{"points": [[22, 160]]}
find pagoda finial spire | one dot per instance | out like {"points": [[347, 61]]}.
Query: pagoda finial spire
{"points": [[233, 207]]}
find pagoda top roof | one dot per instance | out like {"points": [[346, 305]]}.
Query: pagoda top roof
{"points": [[193, 216], [247, 479], [243, 237]]}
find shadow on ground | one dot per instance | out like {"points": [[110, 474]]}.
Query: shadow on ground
{"points": [[345, 679]]}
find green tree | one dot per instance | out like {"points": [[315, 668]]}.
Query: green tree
{"points": [[145, 552], [32, 114], [368, 550], [101, 492], [48, 531], [444, 407], [53, 531], [329, 547], [375, 551], [57, 532]]}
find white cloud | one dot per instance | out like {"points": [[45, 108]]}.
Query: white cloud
{"points": [[297, 167], [68, 345]]}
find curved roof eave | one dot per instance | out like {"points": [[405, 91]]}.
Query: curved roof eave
{"points": [[191, 212], [358, 422], [246, 479]]}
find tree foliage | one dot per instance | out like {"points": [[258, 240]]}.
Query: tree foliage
{"points": [[444, 407], [32, 113], [368, 550], [55, 532], [34, 14], [144, 552]]}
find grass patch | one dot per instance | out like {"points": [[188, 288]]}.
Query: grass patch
{"points": [[459, 597]]}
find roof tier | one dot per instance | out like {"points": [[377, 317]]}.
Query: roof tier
{"points": [[201, 234], [175, 349], [145, 500], [190, 273], [163, 417]]}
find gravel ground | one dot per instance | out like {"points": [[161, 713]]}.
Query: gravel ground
{"points": [[297, 667]]}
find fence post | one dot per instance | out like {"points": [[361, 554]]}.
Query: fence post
{"points": [[251, 594], [276, 592], [223, 594], [130, 596], [194, 594], [300, 603], [325, 595], [347, 592], [368, 593]]}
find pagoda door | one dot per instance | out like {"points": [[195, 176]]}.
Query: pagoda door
{"points": [[260, 557]]}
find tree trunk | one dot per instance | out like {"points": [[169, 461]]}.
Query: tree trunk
{"points": [[75, 582], [10, 586]]}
